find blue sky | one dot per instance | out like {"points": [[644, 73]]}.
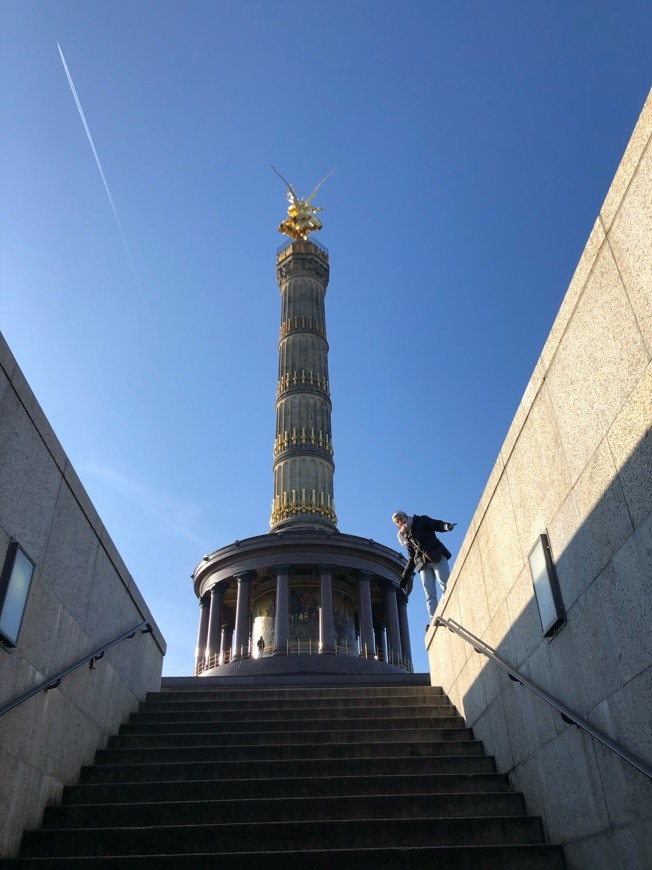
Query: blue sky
{"points": [[473, 144]]}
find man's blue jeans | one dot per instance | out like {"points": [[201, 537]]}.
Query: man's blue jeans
{"points": [[434, 576]]}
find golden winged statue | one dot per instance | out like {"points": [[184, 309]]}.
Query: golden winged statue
{"points": [[301, 219]]}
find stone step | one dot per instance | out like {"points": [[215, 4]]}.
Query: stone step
{"points": [[303, 694], [282, 836], [519, 857], [203, 736], [280, 786], [225, 710], [347, 765], [307, 727], [274, 778], [285, 809], [306, 752]]}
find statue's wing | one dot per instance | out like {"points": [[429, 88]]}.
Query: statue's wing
{"points": [[312, 195], [287, 183]]}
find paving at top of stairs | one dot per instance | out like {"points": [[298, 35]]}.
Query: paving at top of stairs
{"points": [[361, 776]]}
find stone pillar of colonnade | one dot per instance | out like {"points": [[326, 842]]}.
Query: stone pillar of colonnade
{"points": [[214, 626], [202, 634], [242, 616], [282, 619], [401, 600], [367, 647], [326, 622], [380, 639], [227, 642], [393, 630]]}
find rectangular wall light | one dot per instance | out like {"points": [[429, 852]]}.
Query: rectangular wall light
{"points": [[15, 581], [546, 587]]}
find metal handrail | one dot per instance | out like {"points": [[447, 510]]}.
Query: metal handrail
{"points": [[565, 712], [53, 682]]}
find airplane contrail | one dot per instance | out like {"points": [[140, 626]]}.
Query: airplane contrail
{"points": [[97, 159]]}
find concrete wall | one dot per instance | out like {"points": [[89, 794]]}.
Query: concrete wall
{"points": [[81, 596], [577, 463]]}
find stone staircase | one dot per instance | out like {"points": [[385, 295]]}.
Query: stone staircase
{"points": [[359, 776]]}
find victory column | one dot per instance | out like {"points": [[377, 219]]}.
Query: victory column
{"points": [[303, 598]]}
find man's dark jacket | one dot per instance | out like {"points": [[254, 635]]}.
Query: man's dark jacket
{"points": [[423, 545]]}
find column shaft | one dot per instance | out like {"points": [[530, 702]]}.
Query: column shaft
{"points": [[282, 619], [303, 449], [394, 639], [227, 642], [214, 626], [364, 615], [326, 621], [241, 644], [381, 643], [405, 630], [202, 634]]}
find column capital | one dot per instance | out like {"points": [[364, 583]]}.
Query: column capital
{"points": [[401, 598], [283, 569], [244, 576], [363, 574], [309, 264], [326, 569]]}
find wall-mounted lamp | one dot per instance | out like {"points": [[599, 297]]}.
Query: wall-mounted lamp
{"points": [[14, 588], [546, 587]]}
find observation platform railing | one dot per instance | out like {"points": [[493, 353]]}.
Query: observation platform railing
{"points": [[306, 647], [310, 241]]}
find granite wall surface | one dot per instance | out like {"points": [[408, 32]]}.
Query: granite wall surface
{"points": [[577, 464], [81, 596]]}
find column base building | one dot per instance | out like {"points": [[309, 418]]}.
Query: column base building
{"points": [[302, 601]]}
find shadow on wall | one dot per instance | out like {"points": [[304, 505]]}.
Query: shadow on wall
{"points": [[598, 664]]}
